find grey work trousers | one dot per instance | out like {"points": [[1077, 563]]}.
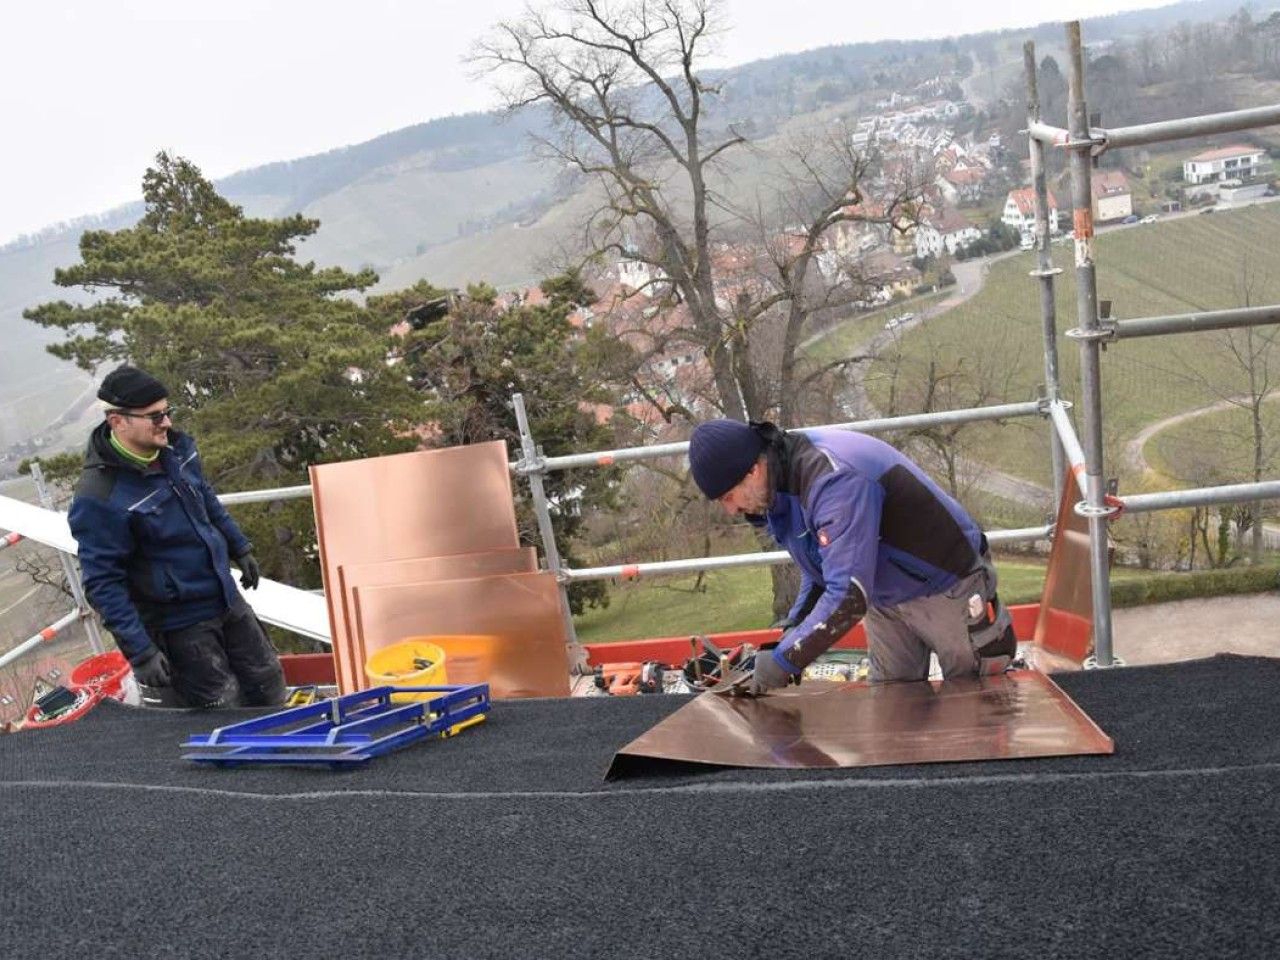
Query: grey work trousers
{"points": [[225, 661], [900, 638]]}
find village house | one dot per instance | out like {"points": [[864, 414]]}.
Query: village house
{"points": [[1236, 162], [1020, 211], [1112, 198], [945, 231]]}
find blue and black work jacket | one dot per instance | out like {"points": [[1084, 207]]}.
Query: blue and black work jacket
{"points": [[866, 526], [155, 543]]}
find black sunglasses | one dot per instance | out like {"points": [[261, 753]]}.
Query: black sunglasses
{"points": [[157, 417]]}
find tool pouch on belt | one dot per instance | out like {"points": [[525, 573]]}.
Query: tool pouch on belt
{"points": [[991, 633]]}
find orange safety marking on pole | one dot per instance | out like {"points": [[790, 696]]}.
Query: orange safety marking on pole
{"points": [[1077, 468], [1083, 224], [605, 461], [12, 538], [631, 572], [48, 633]]}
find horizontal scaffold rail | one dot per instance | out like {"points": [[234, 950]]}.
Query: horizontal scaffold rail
{"points": [[629, 571], [607, 458], [1203, 496], [1162, 130], [915, 421], [1191, 322]]}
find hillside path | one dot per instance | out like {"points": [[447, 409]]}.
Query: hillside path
{"points": [[970, 276], [1134, 451]]}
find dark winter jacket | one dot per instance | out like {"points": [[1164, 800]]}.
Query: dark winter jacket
{"points": [[155, 543], [866, 526]]}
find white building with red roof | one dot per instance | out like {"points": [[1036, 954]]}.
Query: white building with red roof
{"points": [[1020, 211]]}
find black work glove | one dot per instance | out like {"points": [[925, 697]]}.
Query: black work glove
{"points": [[784, 623], [153, 671], [250, 572]]}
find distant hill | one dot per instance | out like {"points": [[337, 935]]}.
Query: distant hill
{"points": [[460, 198]]}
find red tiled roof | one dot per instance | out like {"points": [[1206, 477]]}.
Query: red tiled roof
{"points": [[1109, 183], [1024, 197]]}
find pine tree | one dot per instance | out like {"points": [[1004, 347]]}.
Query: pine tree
{"points": [[273, 363]]}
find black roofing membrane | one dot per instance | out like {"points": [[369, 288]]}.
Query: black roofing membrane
{"points": [[506, 842]]}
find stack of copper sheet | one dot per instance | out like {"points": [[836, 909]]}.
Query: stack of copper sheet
{"points": [[425, 544]]}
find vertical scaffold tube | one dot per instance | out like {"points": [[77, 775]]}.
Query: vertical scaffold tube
{"points": [[542, 511], [1045, 270], [1090, 347]]}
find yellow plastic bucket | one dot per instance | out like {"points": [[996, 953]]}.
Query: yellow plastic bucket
{"points": [[410, 663], [416, 662]]}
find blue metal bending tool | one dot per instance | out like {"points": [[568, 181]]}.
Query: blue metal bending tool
{"points": [[344, 731]]}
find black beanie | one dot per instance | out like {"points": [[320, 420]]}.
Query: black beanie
{"points": [[721, 452], [131, 388]]}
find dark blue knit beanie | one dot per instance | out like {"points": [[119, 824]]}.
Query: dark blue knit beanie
{"points": [[720, 454]]}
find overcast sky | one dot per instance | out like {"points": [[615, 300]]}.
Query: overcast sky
{"points": [[90, 90]]}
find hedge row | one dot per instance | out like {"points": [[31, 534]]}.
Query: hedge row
{"points": [[1199, 583]]}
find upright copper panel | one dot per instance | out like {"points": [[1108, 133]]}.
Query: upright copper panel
{"points": [[425, 504], [527, 656], [464, 566], [1064, 628], [1019, 714]]}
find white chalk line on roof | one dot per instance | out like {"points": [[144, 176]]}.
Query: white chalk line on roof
{"points": [[692, 789]]}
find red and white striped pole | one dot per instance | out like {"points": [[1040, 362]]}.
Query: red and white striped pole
{"points": [[44, 636]]}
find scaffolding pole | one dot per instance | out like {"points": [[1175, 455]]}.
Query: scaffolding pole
{"points": [[532, 466], [631, 571], [1203, 496], [69, 569], [1045, 270], [44, 636], [1002, 411], [1101, 139], [1070, 442], [1094, 508], [1191, 322]]}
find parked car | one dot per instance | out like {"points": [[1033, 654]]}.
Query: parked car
{"points": [[1131, 218], [893, 323], [1208, 210], [1149, 218]]}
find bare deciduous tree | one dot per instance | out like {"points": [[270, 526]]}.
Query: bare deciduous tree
{"points": [[623, 86]]}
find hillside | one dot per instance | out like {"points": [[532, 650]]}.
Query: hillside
{"points": [[460, 198]]}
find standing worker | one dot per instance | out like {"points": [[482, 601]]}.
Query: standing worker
{"points": [[876, 540], [155, 550]]}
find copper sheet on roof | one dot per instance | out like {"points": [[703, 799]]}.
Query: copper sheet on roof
{"points": [[1064, 626], [1019, 714], [526, 655], [464, 566], [425, 504]]}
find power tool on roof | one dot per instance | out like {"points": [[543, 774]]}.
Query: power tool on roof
{"points": [[626, 679]]}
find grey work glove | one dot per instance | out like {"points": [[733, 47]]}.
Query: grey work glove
{"points": [[153, 671], [250, 572], [767, 675]]}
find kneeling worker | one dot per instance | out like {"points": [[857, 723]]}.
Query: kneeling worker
{"points": [[875, 539], [155, 550]]}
